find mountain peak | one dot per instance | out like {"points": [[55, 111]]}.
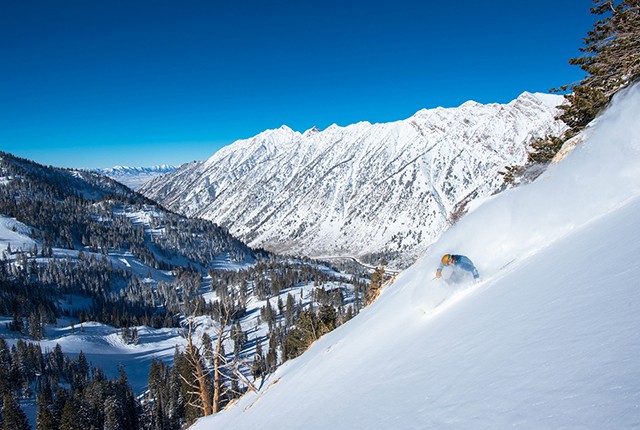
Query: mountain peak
{"points": [[285, 128], [549, 100], [283, 131], [313, 130]]}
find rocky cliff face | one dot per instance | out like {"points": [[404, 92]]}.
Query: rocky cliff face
{"points": [[364, 190]]}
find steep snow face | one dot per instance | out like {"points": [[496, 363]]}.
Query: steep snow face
{"points": [[362, 189], [548, 339], [134, 177]]}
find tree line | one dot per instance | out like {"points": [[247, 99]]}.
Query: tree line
{"points": [[70, 393]]}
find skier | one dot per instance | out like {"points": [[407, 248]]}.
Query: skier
{"points": [[459, 262]]}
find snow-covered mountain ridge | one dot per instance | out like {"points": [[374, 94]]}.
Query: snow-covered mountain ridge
{"points": [[547, 340], [362, 190], [134, 177]]}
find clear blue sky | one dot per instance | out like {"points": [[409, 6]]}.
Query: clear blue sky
{"points": [[140, 82]]}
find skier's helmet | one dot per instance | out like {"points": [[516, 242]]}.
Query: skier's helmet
{"points": [[446, 259]]}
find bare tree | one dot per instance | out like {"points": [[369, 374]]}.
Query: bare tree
{"points": [[199, 386], [210, 397], [223, 369]]}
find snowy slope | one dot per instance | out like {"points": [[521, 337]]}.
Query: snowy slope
{"points": [[363, 189], [15, 235], [549, 340]]}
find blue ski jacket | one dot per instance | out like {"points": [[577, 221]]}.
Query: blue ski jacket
{"points": [[461, 262]]}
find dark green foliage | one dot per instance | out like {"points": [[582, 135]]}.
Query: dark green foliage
{"points": [[68, 420], [327, 317], [44, 418], [163, 402], [239, 338], [306, 331], [310, 326], [12, 416], [271, 361], [130, 335], [90, 401], [543, 150], [78, 210], [258, 367], [610, 57], [584, 103], [290, 310], [183, 372], [94, 215]]}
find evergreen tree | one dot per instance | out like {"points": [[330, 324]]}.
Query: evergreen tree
{"points": [[5, 366], [44, 418], [80, 371], [327, 318], [113, 414], [349, 313], [35, 327], [306, 332], [13, 417], [611, 58], [59, 402], [126, 402], [158, 417], [68, 419], [258, 366], [290, 310], [272, 354], [188, 398], [542, 152]]}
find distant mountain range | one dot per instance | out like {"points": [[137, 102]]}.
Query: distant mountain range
{"points": [[364, 190], [134, 177]]}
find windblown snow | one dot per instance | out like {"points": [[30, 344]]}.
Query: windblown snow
{"points": [[548, 339]]}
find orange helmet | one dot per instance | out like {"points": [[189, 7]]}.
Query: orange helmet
{"points": [[446, 259]]}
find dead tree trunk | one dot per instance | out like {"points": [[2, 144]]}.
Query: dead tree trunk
{"points": [[218, 363], [199, 386]]}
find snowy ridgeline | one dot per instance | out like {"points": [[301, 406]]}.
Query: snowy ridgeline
{"points": [[548, 339], [364, 190]]}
